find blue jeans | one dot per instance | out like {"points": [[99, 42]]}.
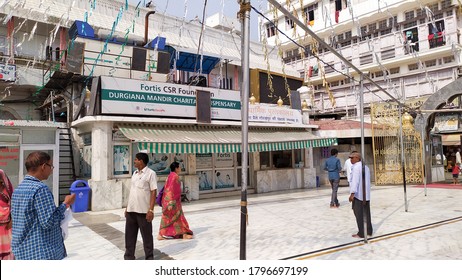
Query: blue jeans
{"points": [[334, 184]]}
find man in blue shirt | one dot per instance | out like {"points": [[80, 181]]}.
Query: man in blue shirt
{"points": [[37, 231], [333, 167], [357, 197]]}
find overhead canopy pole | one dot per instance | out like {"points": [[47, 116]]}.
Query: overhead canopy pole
{"points": [[244, 16]]}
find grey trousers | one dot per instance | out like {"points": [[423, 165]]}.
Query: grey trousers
{"points": [[358, 211], [334, 184], [135, 221]]}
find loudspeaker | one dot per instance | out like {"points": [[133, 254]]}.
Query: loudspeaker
{"points": [[139, 59], [163, 62], [203, 106]]}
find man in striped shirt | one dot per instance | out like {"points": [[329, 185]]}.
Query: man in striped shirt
{"points": [[37, 231]]}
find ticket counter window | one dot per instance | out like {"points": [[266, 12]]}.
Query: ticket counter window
{"points": [[282, 159], [265, 160]]}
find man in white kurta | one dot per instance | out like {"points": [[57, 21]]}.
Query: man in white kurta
{"points": [[140, 208], [357, 197], [347, 167]]}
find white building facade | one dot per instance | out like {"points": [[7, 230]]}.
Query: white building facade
{"points": [[410, 48], [120, 88]]}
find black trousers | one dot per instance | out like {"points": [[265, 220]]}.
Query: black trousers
{"points": [[135, 221], [358, 211]]}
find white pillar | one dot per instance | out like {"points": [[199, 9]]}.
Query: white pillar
{"points": [[308, 157], [101, 165], [305, 116]]}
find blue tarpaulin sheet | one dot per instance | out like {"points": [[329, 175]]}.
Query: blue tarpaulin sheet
{"points": [[191, 62]]}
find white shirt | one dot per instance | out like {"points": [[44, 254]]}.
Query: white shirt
{"points": [[143, 182], [356, 184], [347, 168], [458, 158]]}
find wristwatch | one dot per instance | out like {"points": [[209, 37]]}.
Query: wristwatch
{"points": [[150, 210]]}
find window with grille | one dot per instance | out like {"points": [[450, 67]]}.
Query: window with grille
{"points": [[346, 43], [448, 59], [387, 54], [430, 63], [433, 7], [385, 31], [411, 43], [410, 24], [445, 4], [270, 30], [372, 27], [383, 24], [365, 59], [393, 22], [309, 13], [394, 70], [334, 84], [329, 68], [364, 34], [420, 13], [436, 34], [289, 23], [308, 51], [413, 67], [378, 74], [409, 15]]}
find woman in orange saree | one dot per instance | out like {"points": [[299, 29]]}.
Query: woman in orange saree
{"points": [[173, 223]]}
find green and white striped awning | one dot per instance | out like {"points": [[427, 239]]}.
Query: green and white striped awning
{"points": [[193, 139]]}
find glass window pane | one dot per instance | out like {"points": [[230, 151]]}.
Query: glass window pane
{"points": [[282, 159], [38, 136], [264, 160], [85, 161], [205, 180], [298, 155], [224, 179], [121, 159], [8, 136], [160, 163]]}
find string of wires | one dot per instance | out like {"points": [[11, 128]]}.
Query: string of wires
{"points": [[314, 55]]}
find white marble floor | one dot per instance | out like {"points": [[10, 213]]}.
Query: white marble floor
{"points": [[294, 223]]}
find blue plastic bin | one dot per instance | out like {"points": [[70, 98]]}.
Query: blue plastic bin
{"points": [[81, 190]]}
